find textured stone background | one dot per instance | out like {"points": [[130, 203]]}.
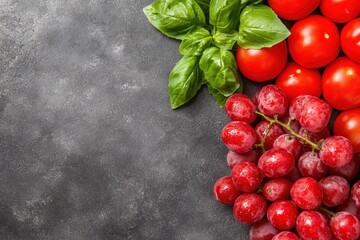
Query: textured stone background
{"points": [[89, 147]]}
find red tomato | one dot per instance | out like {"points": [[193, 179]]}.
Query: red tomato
{"points": [[340, 11], [263, 64], [347, 124], [295, 80], [350, 39], [293, 9], [314, 41], [341, 84]]}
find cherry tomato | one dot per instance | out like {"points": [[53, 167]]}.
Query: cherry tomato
{"points": [[347, 124], [341, 84], [295, 80], [340, 11], [293, 9], [263, 64], [350, 39], [314, 41]]}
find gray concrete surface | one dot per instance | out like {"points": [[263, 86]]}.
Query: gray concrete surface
{"points": [[89, 147]]}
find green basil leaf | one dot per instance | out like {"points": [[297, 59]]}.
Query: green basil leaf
{"points": [[175, 18], [220, 69], [225, 40], [195, 41], [250, 2], [184, 81], [203, 79], [219, 98], [260, 27], [204, 4], [224, 14]]}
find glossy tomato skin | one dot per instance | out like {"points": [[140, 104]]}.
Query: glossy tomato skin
{"points": [[263, 64], [341, 84], [350, 39], [347, 124], [314, 41], [293, 9], [340, 11], [296, 80]]}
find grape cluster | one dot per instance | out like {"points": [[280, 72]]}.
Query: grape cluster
{"points": [[289, 177]]}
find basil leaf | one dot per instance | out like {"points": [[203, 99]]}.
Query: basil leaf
{"points": [[203, 79], [225, 40], [184, 81], [224, 14], [260, 27], [175, 18], [204, 4], [250, 2], [219, 98], [195, 41], [220, 69]]}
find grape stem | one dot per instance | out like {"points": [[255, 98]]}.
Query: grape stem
{"points": [[314, 146], [267, 131], [325, 210]]}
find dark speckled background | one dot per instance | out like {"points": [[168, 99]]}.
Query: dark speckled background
{"points": [[89, 147]]}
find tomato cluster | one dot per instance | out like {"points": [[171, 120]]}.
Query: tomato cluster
{"points": [[321, 57]]}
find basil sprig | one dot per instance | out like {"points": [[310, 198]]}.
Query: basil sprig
{"points": [[209, 30]]}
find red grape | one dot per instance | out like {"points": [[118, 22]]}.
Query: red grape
{"points": [[282, 214], [249, 208], [314, 115], [296, 105], [335, 189], [225, 191], [276, 189], [271, 100], [306, 193], [336, 151], [286, 235], [246, 177], [234, 158], [240, 107], [345, 226], [310, 165], [355, 193], [289, 143], [312, 225], [238, 136], [276, 162], [262, 230]]}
